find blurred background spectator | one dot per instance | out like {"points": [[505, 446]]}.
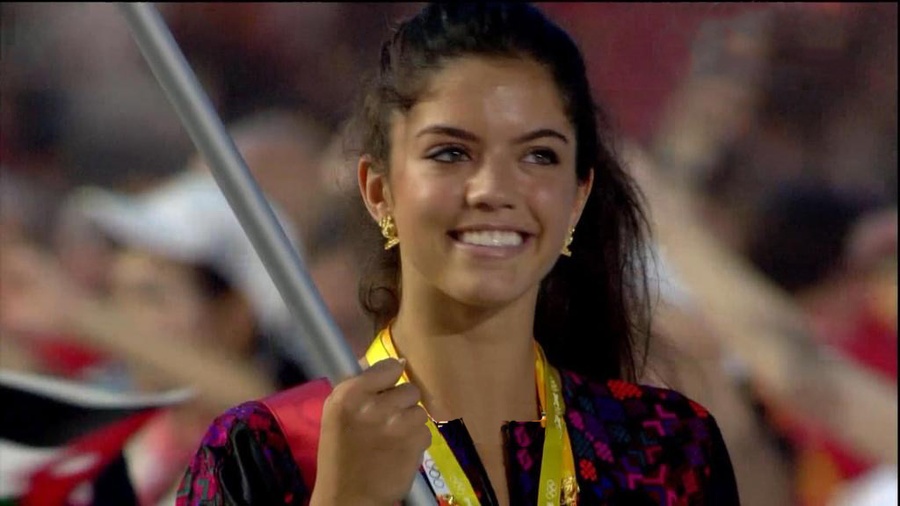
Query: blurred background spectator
{"points": [[774, 124]]}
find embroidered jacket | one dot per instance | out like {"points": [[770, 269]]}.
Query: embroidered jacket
{"points": [[632, 444]]}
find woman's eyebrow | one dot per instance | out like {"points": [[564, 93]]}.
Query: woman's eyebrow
{"points": [[448, 130], [538, 134], [469, 136]]}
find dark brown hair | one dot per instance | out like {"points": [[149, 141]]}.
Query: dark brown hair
{"points": [[593, 310]]}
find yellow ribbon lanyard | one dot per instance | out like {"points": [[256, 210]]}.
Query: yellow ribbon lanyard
{"points": [[449, 481]]}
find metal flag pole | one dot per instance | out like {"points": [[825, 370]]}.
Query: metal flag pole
{"points": [[256, 217]]}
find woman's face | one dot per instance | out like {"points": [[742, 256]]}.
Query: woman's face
{"points": [[482, 182], [160, 294]]}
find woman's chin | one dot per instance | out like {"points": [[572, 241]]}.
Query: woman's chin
{"points": [[488, 295]]}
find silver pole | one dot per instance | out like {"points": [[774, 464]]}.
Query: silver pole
{"points": [[282, 262]]}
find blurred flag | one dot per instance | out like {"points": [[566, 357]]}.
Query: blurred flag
{"points": [[61, 442]]}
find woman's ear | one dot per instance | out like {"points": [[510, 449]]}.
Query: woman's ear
{"points": [[374, 188], [583, 191]]}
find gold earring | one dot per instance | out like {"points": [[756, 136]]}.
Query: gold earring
{"points": [[389, 231], [566, 252]]}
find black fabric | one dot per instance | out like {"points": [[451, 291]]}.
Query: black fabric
{"points": [[113, 486], [248, 478], [523, 484], [463, 447], [722, 488], [40, 421], [631, 498]]}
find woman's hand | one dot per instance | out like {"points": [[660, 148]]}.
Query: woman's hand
{"points": [[372, 440]]}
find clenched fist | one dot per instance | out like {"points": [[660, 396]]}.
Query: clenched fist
{"points": [[372, 440]]}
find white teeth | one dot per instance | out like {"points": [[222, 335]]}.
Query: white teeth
{"points": [[491, 238]]}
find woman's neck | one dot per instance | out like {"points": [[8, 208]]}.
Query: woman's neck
{"points": [[476, 365]]}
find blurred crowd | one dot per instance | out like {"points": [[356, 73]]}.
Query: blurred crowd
{"points": [[121, 264]]}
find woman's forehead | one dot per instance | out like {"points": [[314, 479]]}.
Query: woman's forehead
{"points": [[492, 91]]}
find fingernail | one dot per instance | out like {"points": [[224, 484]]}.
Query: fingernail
{"points": [[402, 362]]}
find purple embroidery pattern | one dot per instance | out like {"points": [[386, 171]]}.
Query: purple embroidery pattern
{"points": [[632, 444]]}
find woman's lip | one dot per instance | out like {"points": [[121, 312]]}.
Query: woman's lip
{"points": [[490, 228], [455, 234], [491, 251]]}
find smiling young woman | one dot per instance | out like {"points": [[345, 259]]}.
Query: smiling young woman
{"points": [[511, 284]]}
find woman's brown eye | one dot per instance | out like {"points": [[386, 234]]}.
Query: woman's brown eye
{"points": [[542, 157], [448, 155]]}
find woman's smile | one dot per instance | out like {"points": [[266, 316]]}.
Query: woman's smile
{"points": [[490, 241]]}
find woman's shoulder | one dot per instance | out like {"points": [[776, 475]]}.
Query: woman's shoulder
{"points": [[245, 434], [649, 435], [618, 398], [632, 415], [250, 417], [274, 419], [256, 450]]}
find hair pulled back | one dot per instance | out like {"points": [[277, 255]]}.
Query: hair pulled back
{"points": [[593, 311]]}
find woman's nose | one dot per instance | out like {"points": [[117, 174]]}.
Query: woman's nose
{"points": [[492, 186]]}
